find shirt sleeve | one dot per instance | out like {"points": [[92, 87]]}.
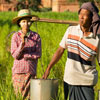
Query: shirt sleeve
{"points": [[37, 53], [98, 56], [16, 50], [63, 42]]}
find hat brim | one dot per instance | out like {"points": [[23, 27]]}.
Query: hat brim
{"points": [[15, 20]]}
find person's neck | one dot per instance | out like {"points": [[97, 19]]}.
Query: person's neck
{"points": [[85, 30], [27, 30]]}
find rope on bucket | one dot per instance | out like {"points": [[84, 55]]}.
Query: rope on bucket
{"points": [[41, 57]]}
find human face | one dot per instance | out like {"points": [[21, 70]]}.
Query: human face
{"points": [[25, 23], [85, 18]]}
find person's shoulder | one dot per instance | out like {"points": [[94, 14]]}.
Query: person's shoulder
{"points": [[15, 34], [73, 27], [34, 34]]}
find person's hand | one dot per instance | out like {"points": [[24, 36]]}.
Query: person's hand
{"points": [[23, 38], [28, 58], [24, 32], [46, 74]]}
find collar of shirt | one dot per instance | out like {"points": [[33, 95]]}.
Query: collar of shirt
{"points": [[89, 36], [27, 34]]}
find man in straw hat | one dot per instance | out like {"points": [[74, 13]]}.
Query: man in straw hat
{"points": [[26, 50], [83, 45]]}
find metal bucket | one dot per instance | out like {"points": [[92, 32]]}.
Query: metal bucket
{"points": [[41, 89]]}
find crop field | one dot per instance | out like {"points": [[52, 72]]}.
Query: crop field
{"points": [[51, 35]]}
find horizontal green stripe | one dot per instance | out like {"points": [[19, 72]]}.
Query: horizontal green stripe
{"points": [[24, 14]]}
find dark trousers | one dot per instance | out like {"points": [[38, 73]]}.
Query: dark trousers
{"points": [[81, 92], [78, 92], [66, 91]]}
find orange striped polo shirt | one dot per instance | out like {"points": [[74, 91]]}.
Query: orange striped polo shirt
{"points": [[80, 68]]}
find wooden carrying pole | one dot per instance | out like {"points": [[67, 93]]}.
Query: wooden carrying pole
{"points": [[55, 21]]}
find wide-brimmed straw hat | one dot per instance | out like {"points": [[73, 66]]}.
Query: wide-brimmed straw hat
{"points": [[23, 14]]}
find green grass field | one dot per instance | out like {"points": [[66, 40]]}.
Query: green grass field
{"points": [[51, 35]]}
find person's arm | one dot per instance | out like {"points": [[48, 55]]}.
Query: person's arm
{"points": [[57, 55], [98, 55], [16, 50]]}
